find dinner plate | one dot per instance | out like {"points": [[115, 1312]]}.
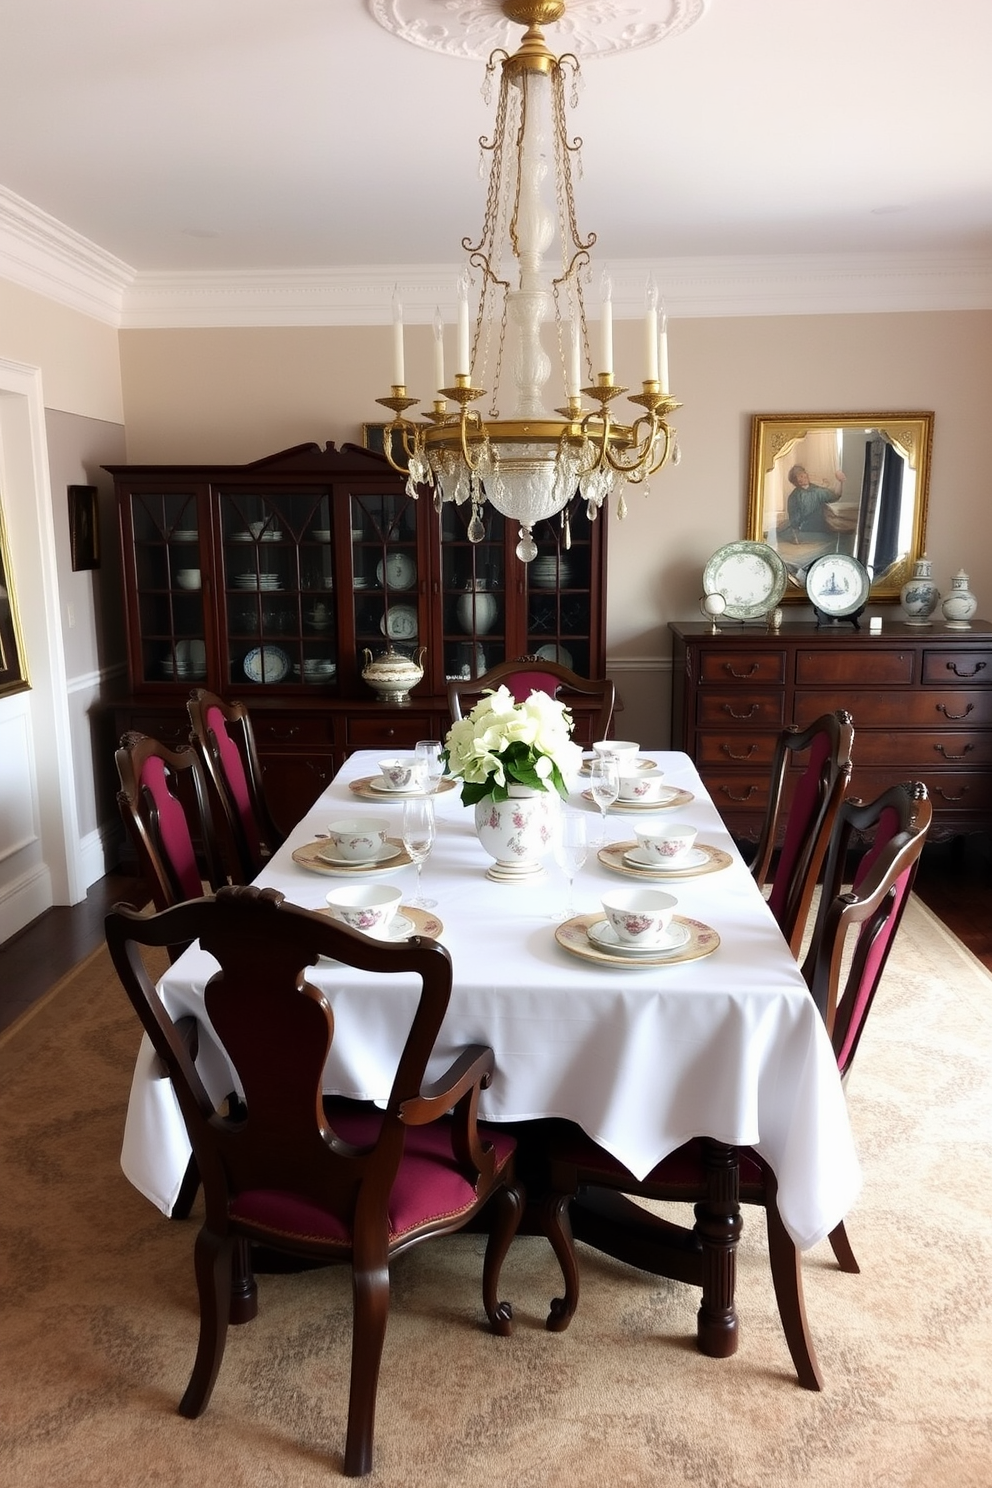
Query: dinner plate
{"points": [[397, 571], [673, 795], [551, 652], [185, 534], [386, 853], [266, 664], [638, 858], [750, 576], [573, 936], [603, 935], [837, 585], [309, 857], [407, 921], [399, 623], [615, 856], [365, 788]]}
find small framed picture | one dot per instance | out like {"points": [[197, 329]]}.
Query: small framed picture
{"points": [[84, 527]]}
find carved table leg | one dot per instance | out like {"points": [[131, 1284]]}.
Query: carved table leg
{"points": [[718, 1226]]}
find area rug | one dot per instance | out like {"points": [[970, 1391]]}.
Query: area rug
{"points": [[98, 1311]]}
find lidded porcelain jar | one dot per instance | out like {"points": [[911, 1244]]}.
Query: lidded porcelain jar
{"points": [[919, 595], [960, 605], [476, 609]]}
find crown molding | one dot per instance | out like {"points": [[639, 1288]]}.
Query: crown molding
{"points": [[41, 254]]}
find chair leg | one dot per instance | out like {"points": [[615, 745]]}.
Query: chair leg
{"points": [[508, 1206], [212, 1260], [370, 1295], [558, 1227], [786, 1264], [841, 1247]]}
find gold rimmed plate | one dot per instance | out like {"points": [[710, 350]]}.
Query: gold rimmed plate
{"points": [[675, 795], [364, 788], [407, 921], [573, 936], [310, 857], [614, 856]]}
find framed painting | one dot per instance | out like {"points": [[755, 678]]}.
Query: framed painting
{"points": [[853, 483], [84, 527], [13, 671]]}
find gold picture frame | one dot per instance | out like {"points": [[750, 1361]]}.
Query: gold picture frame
{"points": [[855, 483], [13, 669]]}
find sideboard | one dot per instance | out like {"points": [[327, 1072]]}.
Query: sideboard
{"points": [[920, 697]]}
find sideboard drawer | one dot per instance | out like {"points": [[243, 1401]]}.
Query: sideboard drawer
{"points": [[293, 730], [966, 791], [389, 732], [957, 666], [735, 749], [935, 708], [922, 749], [761, 668], [727, 710], [837, 668]]}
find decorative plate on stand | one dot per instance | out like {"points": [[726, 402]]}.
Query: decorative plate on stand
{"points": [[750, 576]]}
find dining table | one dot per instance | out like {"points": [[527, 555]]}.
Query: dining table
{"points": [[720, 1039]]}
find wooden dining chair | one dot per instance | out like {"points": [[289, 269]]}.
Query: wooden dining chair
{"points": [[532, 674], [325, 1181], [223, 734], [808, 819], [852, 941]]}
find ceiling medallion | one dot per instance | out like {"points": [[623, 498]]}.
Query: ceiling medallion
{"points": [[591, 28]]}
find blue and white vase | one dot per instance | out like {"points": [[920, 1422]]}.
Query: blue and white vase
{"points": [[919, 595]]}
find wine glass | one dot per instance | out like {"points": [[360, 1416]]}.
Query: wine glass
{"points": [[570, 852], [418, 839], [428, 753], [604, 785]]}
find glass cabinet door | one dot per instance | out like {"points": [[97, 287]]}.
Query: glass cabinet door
{"points": [[277, 550], [168, 581], [560, 598], [385, 575], [473, 593]]}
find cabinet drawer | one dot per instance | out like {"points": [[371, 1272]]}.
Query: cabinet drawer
{"points": [[965, 791], [858, 667], [293, 730], [756, 710], [898, 710], [957, 666], [921, 750], [389, 732], [762, 667], [735, 749], [732, 790]]}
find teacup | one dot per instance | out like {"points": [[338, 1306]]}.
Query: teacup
{"points": [[188, 578], [665, 843], [367, 907], [639, 917], [356, 839], [405, 772], [622, 750], [644, 785]]}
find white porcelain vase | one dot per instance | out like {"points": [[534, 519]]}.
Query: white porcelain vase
{"points": [[517, 832], [919, 595], [476, 609], [960, 605]]}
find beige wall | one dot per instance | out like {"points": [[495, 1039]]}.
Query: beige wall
{"points": [[239, 394], [79, 357]]}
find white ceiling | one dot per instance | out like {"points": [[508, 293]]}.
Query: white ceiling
{"points": [[199, 137]]}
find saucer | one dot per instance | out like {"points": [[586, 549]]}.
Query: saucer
{"points": [[638, 858], [616, 856], [386, 853], [673, 795], [573, 936], [380, 784], [603, 935], [309, 857], [364, 786], [407, 921]]}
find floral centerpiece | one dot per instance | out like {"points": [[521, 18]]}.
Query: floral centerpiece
{"points": [[512, 757], [502, 743]]}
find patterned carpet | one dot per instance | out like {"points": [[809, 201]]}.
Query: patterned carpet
{"points": [[98, 1313]]}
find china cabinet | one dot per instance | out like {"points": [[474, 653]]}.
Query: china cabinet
{"points": [[274, 582], [921, 700]]}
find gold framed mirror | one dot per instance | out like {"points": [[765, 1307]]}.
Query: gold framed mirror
{"points": [[854, 483]]}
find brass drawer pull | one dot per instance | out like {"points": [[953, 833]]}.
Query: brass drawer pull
{"points": [[742, 676], [955, 716], [741, 717], [965, 751], [749, 792], [959, 797], [726, 749], [277, 738], [978, 667]]}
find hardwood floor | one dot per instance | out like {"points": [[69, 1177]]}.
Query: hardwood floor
{"points": [[955, 880]]}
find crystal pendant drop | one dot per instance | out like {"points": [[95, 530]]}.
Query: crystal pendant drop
{"points": [[476, 530]]}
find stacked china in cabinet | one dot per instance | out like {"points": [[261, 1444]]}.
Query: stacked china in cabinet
{"points": [[274, 582]]}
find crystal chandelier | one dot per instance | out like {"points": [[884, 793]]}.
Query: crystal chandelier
{"points": [[532, 464]]}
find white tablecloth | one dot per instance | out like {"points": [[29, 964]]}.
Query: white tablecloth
{"points": [[729, 1046]]}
